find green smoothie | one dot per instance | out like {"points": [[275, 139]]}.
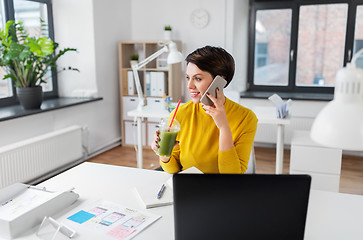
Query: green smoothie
{"points": [[167, 142]]}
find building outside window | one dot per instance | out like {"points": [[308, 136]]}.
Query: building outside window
{"points": [[308, 42], [272, 43]]}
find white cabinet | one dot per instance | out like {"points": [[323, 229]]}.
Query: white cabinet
{"points": [[131, 133], [151, 129], [129, 103], [155, 101], [322, 163]]}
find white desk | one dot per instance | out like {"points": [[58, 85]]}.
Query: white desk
{"points": [[267, 115], [148, 111], [330, 215]]}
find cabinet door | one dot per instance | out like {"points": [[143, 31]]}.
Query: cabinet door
{"points": [[155, 101], [151, 129], [131, 133], [129, 103], [315, 159], [324, 182]]}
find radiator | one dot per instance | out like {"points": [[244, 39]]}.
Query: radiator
{"points": [[31, 159]]}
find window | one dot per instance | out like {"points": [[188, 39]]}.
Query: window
{"points": [[305, 43], [358, 34], [321, 41], [272, 44], [29, 12], [6, 89]]}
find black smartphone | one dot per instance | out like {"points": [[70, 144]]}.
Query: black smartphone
{"points": [[219, 83]]}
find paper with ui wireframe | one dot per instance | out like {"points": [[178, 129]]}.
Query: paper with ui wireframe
{"points": [[282, 108], [189, 170]]}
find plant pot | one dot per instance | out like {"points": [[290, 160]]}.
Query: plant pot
{"points": [[133, 62], [167, 35], [30, 97]]}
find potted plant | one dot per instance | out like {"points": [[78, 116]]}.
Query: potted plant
{"points": [[134, 58], [27, 60], [167, 32]]}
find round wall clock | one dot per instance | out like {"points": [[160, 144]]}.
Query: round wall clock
{"points": [[199, 18]]}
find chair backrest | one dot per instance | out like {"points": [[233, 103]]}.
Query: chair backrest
{"points": [[232, 95], [251, 167]]}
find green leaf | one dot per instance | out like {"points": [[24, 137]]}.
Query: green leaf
{"points": [[42, 46], [46, 44], [14, 51], [12, 77], [25, 54]]}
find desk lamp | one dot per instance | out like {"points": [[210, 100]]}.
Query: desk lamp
{"points": [[340, 122], [174, 57]]}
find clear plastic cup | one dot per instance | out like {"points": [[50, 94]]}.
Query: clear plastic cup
{"points": [[167, 136]]}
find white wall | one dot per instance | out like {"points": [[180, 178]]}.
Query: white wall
{"points": [[228, 28], [150, 17], [93, 27]]}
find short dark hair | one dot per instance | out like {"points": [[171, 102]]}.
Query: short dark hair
{"points": [[214, 60]]}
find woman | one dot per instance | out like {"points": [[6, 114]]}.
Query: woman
{"points": [[214, 139]]}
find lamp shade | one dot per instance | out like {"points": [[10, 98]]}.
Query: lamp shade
{"points": [[340, 122], [340, 125], [174, 55]]}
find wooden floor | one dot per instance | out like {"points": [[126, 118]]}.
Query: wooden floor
{"points": [[351, 180]]}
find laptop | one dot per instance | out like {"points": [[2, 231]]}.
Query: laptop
{"points": [[236, 206]]}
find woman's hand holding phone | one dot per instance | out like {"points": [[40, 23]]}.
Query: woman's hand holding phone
{"points": [[217, 111]]}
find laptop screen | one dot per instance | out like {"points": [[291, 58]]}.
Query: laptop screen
{"points": [[236, 206]]}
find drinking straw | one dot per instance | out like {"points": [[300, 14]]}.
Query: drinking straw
{"points": [[174, 115]]}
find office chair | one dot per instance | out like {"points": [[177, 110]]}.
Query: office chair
{"points": [[251, 167]]}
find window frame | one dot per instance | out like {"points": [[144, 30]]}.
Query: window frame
{"points": [[10, 15], [294, 5]]}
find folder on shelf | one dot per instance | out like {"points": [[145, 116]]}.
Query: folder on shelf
{"points": [[130, 83], [147, 84], [153, 83], [160, 84]]}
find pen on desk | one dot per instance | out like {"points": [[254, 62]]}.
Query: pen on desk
{"points": [[160, 193]]}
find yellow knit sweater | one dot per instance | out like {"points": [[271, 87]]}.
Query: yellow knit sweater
{"points": [[199, 140]]}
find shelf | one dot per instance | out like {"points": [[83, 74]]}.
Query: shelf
{"points": [[172, 77]]}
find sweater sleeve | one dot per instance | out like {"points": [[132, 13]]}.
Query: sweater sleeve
{"points": [[173, 166], [235, 160]]}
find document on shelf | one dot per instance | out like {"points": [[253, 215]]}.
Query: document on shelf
{"points": [[112, 221]]}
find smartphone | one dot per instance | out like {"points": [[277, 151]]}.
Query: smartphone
{"points": [[219, 83]]}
